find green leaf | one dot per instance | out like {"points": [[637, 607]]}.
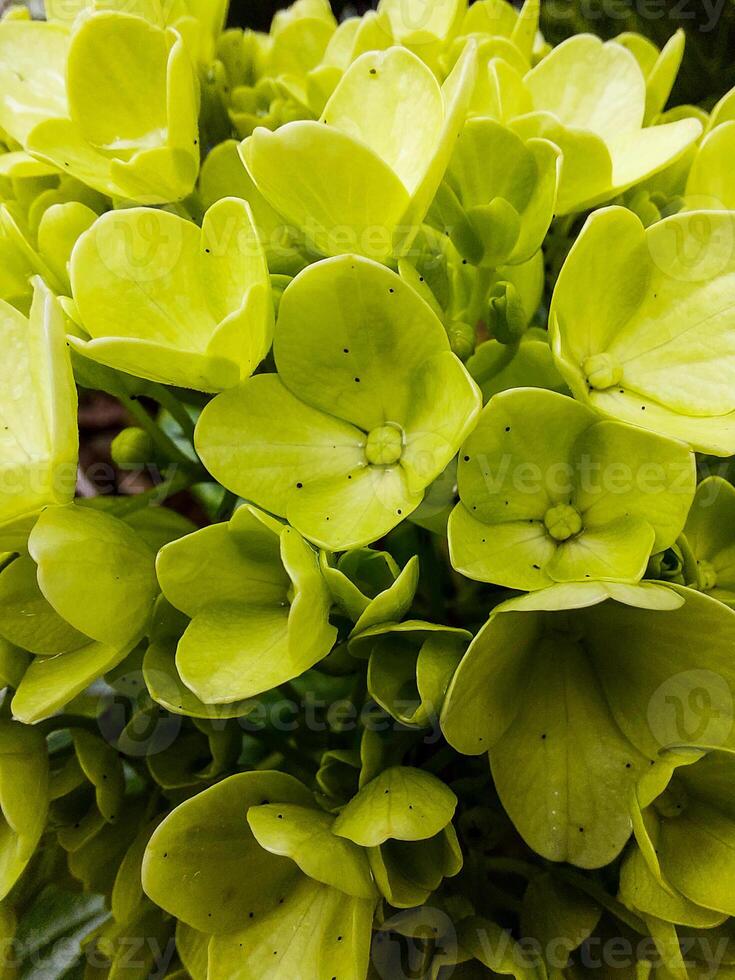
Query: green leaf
{"points": [[95, 571], [400, 804], [659, 353]]}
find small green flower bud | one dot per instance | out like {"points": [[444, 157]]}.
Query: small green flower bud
{"points": [[602, 371], [506, 318], [707, 575], [562, 522], [131, 448], [384, 445], [462, 339]]}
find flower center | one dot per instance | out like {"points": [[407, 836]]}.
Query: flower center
{"points": [[562, 522], [602, 371], [384, 445], [708, 575]]}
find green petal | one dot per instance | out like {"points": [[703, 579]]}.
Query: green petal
{"points": [[659, 319], [407, 872], [165, 686], [639, 889], [203, 864], [351, 336], [390, 85], [30, 95], [600, 89], [27, 619], [444, 406], [103, 768], [697, 849], [710, 182], [304, 835], [224, 562], [411, 665], [653, 651], [491, 164], [305, 172], [350, 511], [95, 571], [519, 460], [50, 683], [393, 603], [400, 804], [318, 932], [514, 553], [618, 550], [710, 527], [260, 441], [556, 912], [260, 641], [100, 91], [38, 435], [24, 799]]}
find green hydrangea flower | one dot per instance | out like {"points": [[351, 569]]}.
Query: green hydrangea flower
{"points": [[566, 689], [682, 867], [710, 533], [388, 120], [640, 324], [163, 299], [590, 99], [133, 137], [81, 598], [271, 882], [369, 587], [410, 667], [404, 817], [368, 407], [549, 492], [499, 194], [38, 433], [263, 606]]}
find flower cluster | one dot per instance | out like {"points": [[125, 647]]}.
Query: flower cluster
{"points": [[434, 325]]}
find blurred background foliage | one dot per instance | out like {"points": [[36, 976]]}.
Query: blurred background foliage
{"points": [[709, 62]]}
